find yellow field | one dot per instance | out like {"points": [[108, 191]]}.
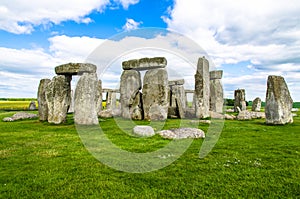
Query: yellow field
{"points": [[15, 105]]}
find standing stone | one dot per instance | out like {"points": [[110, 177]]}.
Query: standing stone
{"points": [[202, 89], [130, 96], [155, 94], [256, 104], [216, 91], [98, 97], [279, 103], [42, 102], [109, 97], [71, 108], [32, 106], [58, 96], [180, 102], [239, 100], [85, 100]]}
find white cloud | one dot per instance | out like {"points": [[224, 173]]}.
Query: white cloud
{"points": [[131, 25], [18, 16], [262, 33], [127, 3]]}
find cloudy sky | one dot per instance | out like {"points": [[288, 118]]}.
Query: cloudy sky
{"points": [[248, 40]]}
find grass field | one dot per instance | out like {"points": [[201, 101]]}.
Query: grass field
{"points": [[250, 160]]}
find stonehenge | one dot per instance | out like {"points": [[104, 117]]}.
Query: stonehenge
{"points": [[279, 103], [54, 96]]}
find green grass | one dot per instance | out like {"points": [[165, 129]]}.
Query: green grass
{"points": [[250, 160]]}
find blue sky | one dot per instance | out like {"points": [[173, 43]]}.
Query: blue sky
{"points": [[248, 40]]}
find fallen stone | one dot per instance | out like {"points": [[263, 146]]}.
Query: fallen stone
{"points": [[216, 115], [106, 113], [143, 131], [200, 122], [145, 63], [75, 69], [20, 116], [189, 113], [229, 117], [258, 115], [295, 109], [244, 115], [182, 133], [279, 103], [294, 114], [230, 111]]}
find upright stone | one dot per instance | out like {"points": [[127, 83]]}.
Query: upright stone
{"points": [[178, 98], [71, 107], [202, 89], [130, 96], [216, 91], [239, 100], [42, 102], [155, 94], [98, 97], [85, 100], [58, 96], [279, 103], [256, 104]]}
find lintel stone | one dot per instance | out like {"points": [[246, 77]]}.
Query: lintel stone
{"points": [[75, 69], [216, 74], [176, 82], [145, 63]]}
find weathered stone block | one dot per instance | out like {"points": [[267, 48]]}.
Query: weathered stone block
{"points": [[256, 104], [216, 74], [75, 68], [145, 63], [42, 102], [202, 89], [155, 94], [279, 103], [216, 93], [130, 96], [85, 100], [58, 96], [239, 100]]}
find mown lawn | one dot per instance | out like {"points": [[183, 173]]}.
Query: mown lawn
{"points": [[250, 160]]}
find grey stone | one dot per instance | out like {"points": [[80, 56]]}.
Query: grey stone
{"points": [[230, 111], [189, 113], [216, 91], [85, 111], [176, 82], [295, 109], [239, 100], [279, 103], [42, 102], [229, 117], [256, 104], [58, 96], [75, 69], [182, 133], [71, 107], [145, 63], [244, 115], [20, 116], [111, 99], [98, 97], [258, 115], [155, 94], [202, 89], [130, 96], [32, 106], [200, 122], [216, 115], [106, 114], [143, 131], [216, 74], [178, 99]]}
